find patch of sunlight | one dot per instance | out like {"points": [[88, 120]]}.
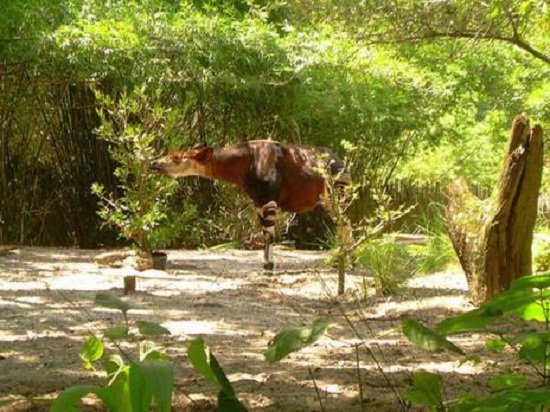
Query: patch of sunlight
{"points": [[11, 336], [31, 299], [241, 376], [11, 285], [440, 280], [11, 303], [198, 327], [24, 357], [467, 368], [331, 388], [191, 286], [82, 282], [192, 327], [394, 308]]}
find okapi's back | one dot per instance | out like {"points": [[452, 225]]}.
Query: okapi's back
{"points": [[291, 175]]}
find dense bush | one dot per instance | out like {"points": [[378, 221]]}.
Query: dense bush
{"points": [[233, 71]]}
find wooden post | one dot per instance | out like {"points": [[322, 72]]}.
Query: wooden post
{"points": [[493, 241], [129, 284]]}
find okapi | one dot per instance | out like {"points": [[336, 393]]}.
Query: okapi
{"points": [[293, 178]]}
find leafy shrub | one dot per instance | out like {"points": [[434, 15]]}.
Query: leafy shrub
{"points": [[541, 255], [518, 318], [390, 263], [438, 251], [133, 387], [293, 339], [140, 210]]}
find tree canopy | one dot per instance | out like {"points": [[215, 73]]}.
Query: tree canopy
{"points": [[423, 90]]}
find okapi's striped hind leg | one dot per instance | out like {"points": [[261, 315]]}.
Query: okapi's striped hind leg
{"points": [[267, 220]]}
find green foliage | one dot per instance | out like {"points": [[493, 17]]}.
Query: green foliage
{"points": [[426, 391], [427, 339], [232, 71], [520, 318], [207, 365], [129, 388], [438, 251], [91, 351], [151, 328], [541, 255], [132, 387], [110, 301], [390, 263], [132, 125], [293, 339]]}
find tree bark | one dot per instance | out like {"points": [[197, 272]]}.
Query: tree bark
{"points": [[493, 241]]}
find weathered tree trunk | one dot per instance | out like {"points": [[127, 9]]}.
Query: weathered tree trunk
{"points": [[493, 241]]}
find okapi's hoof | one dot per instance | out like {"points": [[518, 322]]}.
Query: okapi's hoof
{"points": [[269, 266]]}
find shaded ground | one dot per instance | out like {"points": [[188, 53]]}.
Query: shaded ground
{"points": [[46, 307]]}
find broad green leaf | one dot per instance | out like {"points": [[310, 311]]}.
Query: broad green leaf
{"points": [[69, 399], [425, 391], [465, 403], [159, 377], [537, 311], [507, 381], [119, 385], [539, 281], [511, 400], [199, 356], [496, 345], [91, 351], [427, 339], [107, 300], [534, 349], [113, 365], [473, 320], [293, 339], [207, 365], [151, 328], [150, 351], [117, 332], [140, 392], [513, 299], [228, 404]]}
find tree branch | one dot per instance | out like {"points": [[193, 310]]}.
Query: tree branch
{"points": [[514, 40]]}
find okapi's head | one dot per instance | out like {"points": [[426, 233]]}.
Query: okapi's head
{"points": [[194, 162]]}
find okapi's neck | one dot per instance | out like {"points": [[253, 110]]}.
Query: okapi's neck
{"points": [[229, 164]]}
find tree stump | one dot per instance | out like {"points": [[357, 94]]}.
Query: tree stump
{"points": [[493, 240]]}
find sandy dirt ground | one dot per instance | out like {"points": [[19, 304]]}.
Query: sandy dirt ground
{"points": [[47, 311]]}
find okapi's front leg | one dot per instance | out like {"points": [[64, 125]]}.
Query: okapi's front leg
{"points": [[267, 220]]}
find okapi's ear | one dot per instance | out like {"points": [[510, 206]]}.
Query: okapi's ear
{"points": [[203, 154]]}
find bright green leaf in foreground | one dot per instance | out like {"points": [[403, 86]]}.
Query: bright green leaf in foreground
{"points": [[425, 391], [151, 379], [293, 339], [107, 300], [91, 351], [151, 328], [541, 281], [117, 333], [207, 365], [149, 350], [496, 345], [473, 320], [425, 338], [507, 381], [69, 399]]}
